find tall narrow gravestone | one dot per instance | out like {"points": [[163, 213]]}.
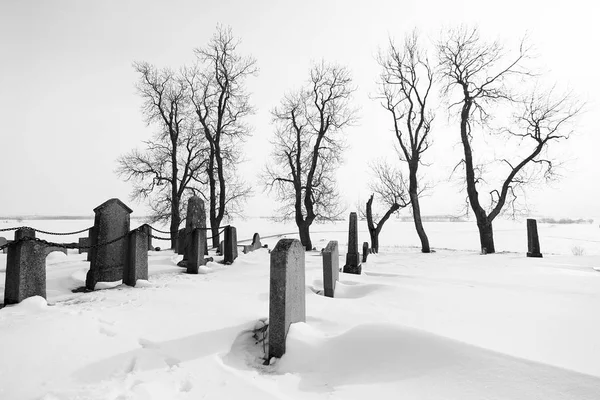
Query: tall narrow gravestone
{"points": [[230, 250], [331, 267], [533, 240], [287, 293], [136, 266], [107, 263], [147, 229], [352, 265], [197, 249], [196, 219], [365, 251]]}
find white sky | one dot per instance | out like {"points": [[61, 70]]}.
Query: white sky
{"points": [[68, 106]]}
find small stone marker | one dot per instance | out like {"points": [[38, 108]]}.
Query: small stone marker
{"points": [[352, 265], [221, 245], [365, 252], [533, 240], [112, 221], [287, 293], [147, 229], [197, 248], [254, 245], [230, 246], [136, 266], [331, 267], [181, 241], [25, 270]]}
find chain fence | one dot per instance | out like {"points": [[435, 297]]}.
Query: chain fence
{"points": [[45, 232]]}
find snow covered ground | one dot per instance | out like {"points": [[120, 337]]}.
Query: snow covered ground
{"points": [[448, 325]]}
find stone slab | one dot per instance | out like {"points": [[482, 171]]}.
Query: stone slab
{"points": [[331, 267]]}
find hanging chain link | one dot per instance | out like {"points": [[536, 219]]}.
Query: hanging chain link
{"points": [[45, 232]]}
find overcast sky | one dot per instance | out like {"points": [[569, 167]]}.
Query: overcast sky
{"points": [[68, 107]]}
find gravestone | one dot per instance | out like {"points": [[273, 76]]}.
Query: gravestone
{"points": [[196, 255], [196, 218], [365, 252], [287, 292], [331, 267], [84, 242], [181, 241], [352, 265], [533, 240], [136, 266], [3, 242], [108, 261], [254, 245], [230, 245], [221, 245]]}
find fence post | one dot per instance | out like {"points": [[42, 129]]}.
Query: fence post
{"points": [[230, 246], [25, 268]]}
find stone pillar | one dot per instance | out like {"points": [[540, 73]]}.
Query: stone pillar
{"points": [[181, 241], [331, 267], [365, 252], [533, 240], [25, 271], [287, 293], [197, 247], [108, 261], [24, 232], [147, 229], [230, 247], [221, 245], [136, 266], [352, 265], [84, 242]]}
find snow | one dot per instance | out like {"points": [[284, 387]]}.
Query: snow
{"points": [[448, 325]]}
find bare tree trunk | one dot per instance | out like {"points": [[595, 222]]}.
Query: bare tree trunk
{"points": [[414, 199], [373, 231], [304, 230], [486, 236]]}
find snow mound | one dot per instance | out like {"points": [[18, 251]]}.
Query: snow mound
{"points": [[31, 304], [107, 285], [357, 290], [425, 365]]}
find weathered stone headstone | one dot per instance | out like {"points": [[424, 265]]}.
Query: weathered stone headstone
{"points": [[365, 251], [254, 245], [196, 218], [136, 266], [287, 292], [352, 265], [25, 271], [197, 247], [331, 267], [111, 221], [181, 241], [3, 242], [221, 245], [533, 240], [230, 246], [84, 242]]}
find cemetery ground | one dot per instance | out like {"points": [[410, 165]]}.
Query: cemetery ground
{"points": [[449, 325]]}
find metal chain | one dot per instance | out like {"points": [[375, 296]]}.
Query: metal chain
{"points": [[45, 232], [158, 230]]}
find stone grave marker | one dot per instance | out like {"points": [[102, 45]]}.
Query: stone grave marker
{"points": [[287, 293], [112, 221], [181, 241], [533, 240], [197, 249], [136, 266], [196, 218], [352, 265], [331, 267], [230, 245], [365, 251], [254, 245]]}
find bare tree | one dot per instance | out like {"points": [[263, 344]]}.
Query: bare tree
{"points": [[169, 168], [390, 187], [483, 73], [221, 106], [308, 145], [405, 85]]}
